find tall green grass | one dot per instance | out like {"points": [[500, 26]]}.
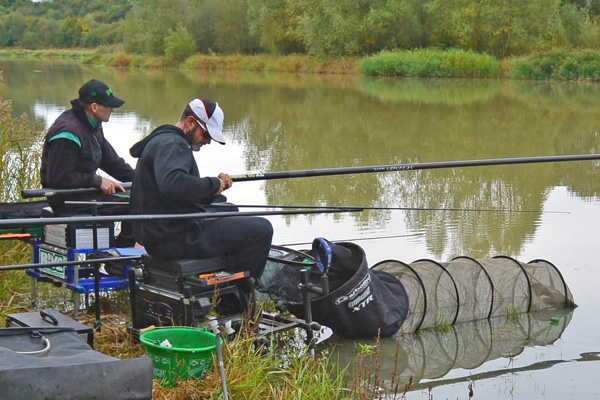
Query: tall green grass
{"points": [[20, 153], [19, 168], [253, 371], [561, 65], [431, 63]]}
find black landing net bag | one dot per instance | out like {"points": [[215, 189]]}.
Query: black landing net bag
{"points": [[361, 302]]}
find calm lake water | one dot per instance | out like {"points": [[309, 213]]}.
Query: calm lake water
{"points": [[289, 122]]}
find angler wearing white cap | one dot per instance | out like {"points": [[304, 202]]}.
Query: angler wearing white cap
{"points": [[167, 181]]}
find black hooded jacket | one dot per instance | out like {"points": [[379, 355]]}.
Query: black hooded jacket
{"points": [[167, 181], [66, 164]]}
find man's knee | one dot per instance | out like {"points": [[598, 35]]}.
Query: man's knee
{"points": [[264, 229]]}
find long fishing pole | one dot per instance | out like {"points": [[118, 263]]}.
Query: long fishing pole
{"points": [[112, 218], [353, 240], [353, 208], [409, 167], [49, 192], [67, 263]]}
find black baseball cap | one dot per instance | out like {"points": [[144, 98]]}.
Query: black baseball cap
{"points": [[95, 91]]}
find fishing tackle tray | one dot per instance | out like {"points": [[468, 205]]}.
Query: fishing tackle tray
{"points": [[49, 319], [183, 292], [199, 275]]}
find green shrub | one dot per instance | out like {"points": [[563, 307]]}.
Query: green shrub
{"points": [[571, 65], [179, 44]]}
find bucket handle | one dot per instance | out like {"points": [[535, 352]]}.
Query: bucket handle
{"points": [[148, 329]]}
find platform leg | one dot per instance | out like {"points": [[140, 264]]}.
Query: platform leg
{"points": [[33, 294], [97, 322], [252, 299], [307, 311], [76, 299], [76, 304], [33, 280]]}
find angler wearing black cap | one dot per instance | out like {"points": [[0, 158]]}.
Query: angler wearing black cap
{"points": [[75, 148], [167, 181]]}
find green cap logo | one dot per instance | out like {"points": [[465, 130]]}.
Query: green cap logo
{"points": [[108, 92]]}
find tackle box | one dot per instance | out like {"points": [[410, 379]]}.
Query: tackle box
{"points": [[49, 319]]}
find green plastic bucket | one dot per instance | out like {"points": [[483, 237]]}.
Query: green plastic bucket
{"points": [[189, 357]]}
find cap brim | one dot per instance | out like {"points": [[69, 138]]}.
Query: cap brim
{"points": [[216, 135], [114, 102]]}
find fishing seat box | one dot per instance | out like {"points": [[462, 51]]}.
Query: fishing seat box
{"points": [[173, 292], [50, 319]]}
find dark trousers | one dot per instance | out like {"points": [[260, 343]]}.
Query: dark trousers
{"points": [[247, 240]]}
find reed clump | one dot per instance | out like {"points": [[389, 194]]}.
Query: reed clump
{"points": [[452, 63], [558, 65], [20, 152]]}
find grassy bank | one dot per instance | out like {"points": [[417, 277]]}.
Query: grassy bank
{"points": [[453, 63], [114, 57], [251, 372]]}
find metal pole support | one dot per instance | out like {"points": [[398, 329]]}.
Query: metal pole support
{"points": [[98, 322], [306, 287]]}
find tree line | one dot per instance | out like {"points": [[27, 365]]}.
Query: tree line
{"points": [[180, 28]]}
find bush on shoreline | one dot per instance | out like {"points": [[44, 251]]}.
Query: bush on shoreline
{"points": [[560, 65], [431, 63]]}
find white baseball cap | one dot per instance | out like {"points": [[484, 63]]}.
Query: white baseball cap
{"points": [[211, 115]]}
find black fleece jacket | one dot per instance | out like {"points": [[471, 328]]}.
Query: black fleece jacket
{"points": [[167, 181], [66, 165]]}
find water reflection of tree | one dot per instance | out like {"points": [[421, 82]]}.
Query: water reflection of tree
{"points": [[329, 127]]}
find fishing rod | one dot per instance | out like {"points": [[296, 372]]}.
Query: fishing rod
{"points": [[49, 192], [351, 240], [67, 263], [408, 167], [113, 218], [353, 208]]}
